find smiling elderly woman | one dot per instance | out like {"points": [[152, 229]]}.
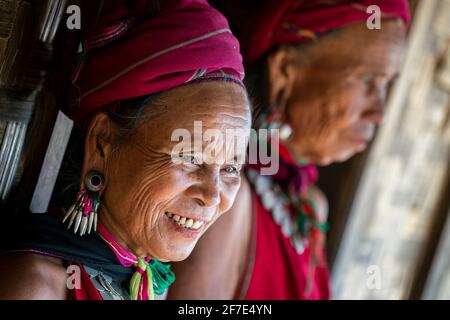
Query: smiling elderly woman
{"points": [[142, 74]]}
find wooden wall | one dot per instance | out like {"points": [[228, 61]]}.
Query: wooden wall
{"points": [[28, 33]]}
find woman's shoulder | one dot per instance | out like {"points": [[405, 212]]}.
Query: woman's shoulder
{"points": [[29, 276]]}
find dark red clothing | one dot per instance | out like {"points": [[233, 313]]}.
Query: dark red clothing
{"points": [[275, 270], [87, 290]]}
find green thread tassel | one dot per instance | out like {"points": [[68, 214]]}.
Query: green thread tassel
{"points": [[163, 277], [159, 276], [136, 280]]}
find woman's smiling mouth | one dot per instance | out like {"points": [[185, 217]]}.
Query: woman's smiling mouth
{"points": [[185, 222]]}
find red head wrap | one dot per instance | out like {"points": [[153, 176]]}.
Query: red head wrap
{"points": [[149, 47], [281, 22]]}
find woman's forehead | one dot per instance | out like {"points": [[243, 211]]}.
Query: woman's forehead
{"points": [[214, 104], [357, 47], [195, 118], [211, 121], [226, 133]]}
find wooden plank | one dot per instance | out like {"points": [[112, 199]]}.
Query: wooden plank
{"points": [[38, 137], [19, 44], [433, 280], [53, 13], [52, 163], [28, 56], [17, 105], [437, 286], [10, 155]]}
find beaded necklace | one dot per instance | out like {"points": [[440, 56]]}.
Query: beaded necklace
{"points": [[283, 195]]}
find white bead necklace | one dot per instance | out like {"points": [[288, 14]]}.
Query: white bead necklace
{"points": [[277, 203]]}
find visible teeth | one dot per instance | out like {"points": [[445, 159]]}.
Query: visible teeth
{"points": [[189, 223], [185, 222], [197, 224]]}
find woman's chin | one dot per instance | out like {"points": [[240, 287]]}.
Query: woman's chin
{"points": [[176, 242], [347, 154], [176, 252], [338, 157]]}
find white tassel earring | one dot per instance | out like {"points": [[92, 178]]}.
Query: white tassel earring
{"points": [[82, 215]]}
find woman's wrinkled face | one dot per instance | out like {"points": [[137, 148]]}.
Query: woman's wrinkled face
{"points": [[158, 201], [339, 93]]}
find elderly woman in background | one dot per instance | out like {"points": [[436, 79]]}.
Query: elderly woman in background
{"points": [[320, 76], [143, 73]]}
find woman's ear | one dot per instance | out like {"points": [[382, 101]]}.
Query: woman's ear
{"points": [[282, 76], [100, 136]]}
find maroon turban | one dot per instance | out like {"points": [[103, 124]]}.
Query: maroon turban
{"points": [[281, 22], [147, 47]]}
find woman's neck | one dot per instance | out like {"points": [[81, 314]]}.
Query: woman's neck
{"points": [[119, 237]]}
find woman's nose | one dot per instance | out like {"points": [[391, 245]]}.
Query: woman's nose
{"points": [[207, 191], [374, 114]]}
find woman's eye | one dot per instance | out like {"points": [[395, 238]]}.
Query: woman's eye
{"points": [[232, 170], [368, 81], [190, 160]]}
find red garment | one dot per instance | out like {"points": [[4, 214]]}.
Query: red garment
{"points": [[87, 290], [275, 270], [265, 26], [133, 52]]}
